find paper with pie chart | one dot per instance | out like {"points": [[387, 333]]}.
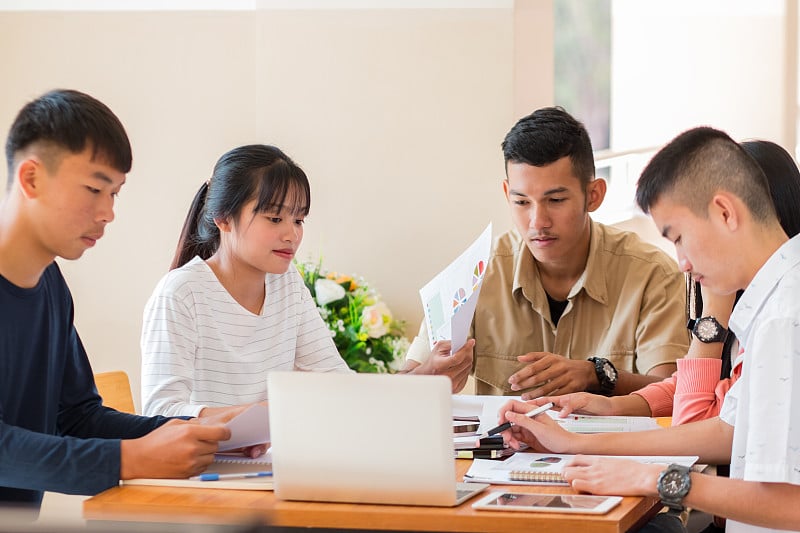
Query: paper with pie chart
{"points": [[449, 299]]}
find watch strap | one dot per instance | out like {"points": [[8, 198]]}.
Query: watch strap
{"points": [[674, 501], [693, 324], [607, 383]]}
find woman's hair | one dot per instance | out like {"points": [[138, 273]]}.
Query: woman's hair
{"points": [[255, 171], [783, 178]]}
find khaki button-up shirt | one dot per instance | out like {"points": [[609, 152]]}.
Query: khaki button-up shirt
{"points": [[628, 306]]}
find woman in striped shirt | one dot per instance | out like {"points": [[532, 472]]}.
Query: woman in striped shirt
{"points": [[233, 307]]}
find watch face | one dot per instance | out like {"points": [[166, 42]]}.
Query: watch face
{"points": [[707, 329], [673, 484], [609, 372]]}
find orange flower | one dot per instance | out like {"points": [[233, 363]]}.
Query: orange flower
{"points": [[341, 280]]}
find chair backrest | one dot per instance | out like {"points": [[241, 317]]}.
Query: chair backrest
{"points": [[115, 389]]}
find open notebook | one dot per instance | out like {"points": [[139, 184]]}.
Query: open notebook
{"points": [[223, 464], [366, 438], [545, 468]]}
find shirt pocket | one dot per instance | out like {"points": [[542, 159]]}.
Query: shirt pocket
{"points": [[621, 359]]}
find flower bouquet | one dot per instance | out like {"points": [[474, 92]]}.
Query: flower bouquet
{"points": [[366, 334]]}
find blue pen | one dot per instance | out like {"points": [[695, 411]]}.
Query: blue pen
{"points": [[218, 477]]}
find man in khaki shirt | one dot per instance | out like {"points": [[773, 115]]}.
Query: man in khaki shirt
{"points": [[561, 288]]}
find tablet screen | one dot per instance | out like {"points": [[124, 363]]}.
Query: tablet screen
{"points": [[562, 503]]}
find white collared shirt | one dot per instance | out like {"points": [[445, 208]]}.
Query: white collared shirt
{"points": [[764, 404]]}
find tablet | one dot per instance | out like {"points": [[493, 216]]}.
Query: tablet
{"points": [[554, 503]]}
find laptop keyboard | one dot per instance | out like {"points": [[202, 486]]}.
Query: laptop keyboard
{"points": [[461, 493]]}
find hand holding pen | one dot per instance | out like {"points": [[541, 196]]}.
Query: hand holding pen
{"points": [[507, 425]]}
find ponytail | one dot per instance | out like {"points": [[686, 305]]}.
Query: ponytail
{"points": [[197, 238]]}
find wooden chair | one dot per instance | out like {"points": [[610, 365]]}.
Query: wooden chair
{"points": [[115, 389]]}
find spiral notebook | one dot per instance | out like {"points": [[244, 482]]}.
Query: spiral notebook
{"points": [[545, 468], [223, 464]]}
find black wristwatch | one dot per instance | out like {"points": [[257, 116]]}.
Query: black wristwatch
{"points": [[606, 374], [707, 329], [673, 485]]}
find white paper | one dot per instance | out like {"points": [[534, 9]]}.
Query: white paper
{"points": [[490, 416], [248, 428], [604, 424], [487, 409], [450, 294], [467, 406]]}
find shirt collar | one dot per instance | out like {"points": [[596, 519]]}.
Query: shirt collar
{"points": [[768, 276], [592, 280]]}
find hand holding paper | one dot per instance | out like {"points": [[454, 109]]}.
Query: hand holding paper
{"points": [[449, 299], [249, 428]]}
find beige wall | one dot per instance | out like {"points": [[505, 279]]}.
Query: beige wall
{"points": [[396, 115]]}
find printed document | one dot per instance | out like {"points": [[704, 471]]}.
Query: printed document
{"points": [[449, 299]]}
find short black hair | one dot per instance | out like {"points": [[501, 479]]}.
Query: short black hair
{"points": [[698, 163], [547, 135], [70, 120]]}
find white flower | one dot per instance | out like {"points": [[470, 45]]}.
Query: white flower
{"points": [[379, 365], [376, 319], [328, 291], [400, 346]]}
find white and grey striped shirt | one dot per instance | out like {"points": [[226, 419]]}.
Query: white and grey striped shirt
{"points": [[200, 348]]}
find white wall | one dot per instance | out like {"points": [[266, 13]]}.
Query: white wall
{"points": [[684, 63], [396, 115]]}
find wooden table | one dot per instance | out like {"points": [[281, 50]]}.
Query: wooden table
{"points": [[219, 506]]}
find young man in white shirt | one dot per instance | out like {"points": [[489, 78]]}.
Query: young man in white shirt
{"points": [[712, 201]]}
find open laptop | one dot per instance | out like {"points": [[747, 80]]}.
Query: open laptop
{"points": [[366, 438]]}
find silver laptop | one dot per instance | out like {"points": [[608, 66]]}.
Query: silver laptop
{"points": [[366, 438]]}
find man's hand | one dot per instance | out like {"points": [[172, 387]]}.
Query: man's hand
{"points": [[620, 477], [178, 449], [457, 366], [223, 415], [552, 374]]}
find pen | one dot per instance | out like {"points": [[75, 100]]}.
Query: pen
{"points": [[530, 414], [217, 477]]}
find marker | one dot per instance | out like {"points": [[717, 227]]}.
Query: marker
{"points": [[218, 477], [530, 414], [479, 454]]}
